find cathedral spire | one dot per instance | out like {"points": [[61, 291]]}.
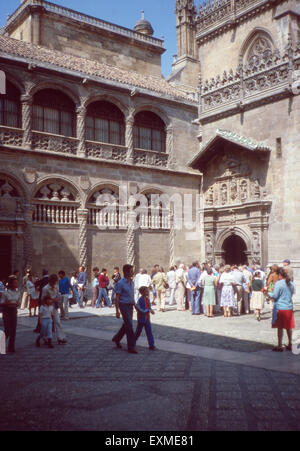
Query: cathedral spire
{"points": [[185, 14]]}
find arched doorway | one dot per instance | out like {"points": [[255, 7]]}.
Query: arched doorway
{"points": [[234, 248]]}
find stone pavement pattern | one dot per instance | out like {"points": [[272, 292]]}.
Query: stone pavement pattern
{"points": [[90, 385]]}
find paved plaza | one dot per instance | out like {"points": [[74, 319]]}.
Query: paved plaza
{"points": [[207, 374]]}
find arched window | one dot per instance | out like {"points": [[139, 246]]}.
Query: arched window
{"points": [[105, 123], [149, 132], [10, 107], [259, 50], [53, 112]]}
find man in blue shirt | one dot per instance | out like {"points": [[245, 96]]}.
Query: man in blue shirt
{"points": [[193, 281], [64, 289], [124, 306]]}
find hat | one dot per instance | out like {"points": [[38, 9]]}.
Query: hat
{"points": [[287, 261]]}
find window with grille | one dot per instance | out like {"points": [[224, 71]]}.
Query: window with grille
{"points": [[10, 107], [53, 112], [149, 132], [105, 123]]}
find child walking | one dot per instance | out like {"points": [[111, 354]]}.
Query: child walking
{"points": [[46, 319], [143, 308]]}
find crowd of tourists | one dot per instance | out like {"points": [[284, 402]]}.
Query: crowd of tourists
{"points": [[199, 289]]}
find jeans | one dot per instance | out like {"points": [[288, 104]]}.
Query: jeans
{"points": [[127, 326], [103, 292], [148, 329], [195, 301], [76, 294]]}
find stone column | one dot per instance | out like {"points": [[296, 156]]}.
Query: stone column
{"points": [[81, 118], [83, 253], [28, 241], [26, 101], [172, 239], [129, 139], [130, 237], [170, 147]]}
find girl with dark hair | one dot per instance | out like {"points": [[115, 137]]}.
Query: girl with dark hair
{"points": [[283, 314], [10, 300]]}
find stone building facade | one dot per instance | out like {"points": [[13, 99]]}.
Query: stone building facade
{"points": [[248, 53], [80, 136]]}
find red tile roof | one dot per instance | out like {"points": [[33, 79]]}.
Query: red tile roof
{"points": [[38, 54]]}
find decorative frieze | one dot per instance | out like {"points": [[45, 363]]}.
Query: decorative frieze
{"points": [[217, 16], [106, 151], [54, 143], [260, 74], [11, 136], [150, 158]]}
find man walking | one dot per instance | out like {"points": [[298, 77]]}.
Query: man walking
{"points": [[124, 306], [64, 289], [103, 283]]}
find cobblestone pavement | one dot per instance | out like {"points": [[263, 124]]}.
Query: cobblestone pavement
{"points": [[90, 385]]}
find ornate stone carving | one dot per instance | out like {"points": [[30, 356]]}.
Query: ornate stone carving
{"points": [[209, 198], [84, 182], [29, 175], [208, 244], [244, 190], [224, 193]]}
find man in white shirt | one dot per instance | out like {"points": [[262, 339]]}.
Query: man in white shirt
{"points": [[171, 276]]}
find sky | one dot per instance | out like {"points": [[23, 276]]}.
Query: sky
{"points": [[126, 13]]}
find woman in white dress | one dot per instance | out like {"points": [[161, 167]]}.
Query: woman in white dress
{"points": [[227, 296]]}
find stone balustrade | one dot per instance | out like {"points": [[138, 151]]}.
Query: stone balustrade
{"points": [[106, 151], [54, 213], [54, 143], [10, 136], [13, 137]]}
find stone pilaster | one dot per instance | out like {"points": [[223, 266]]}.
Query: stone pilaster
{"points": [[28, 241], [130, 238], [83, 248], [172, 239], [26, 101], [81, 117], [170, 147], [129, 139]]}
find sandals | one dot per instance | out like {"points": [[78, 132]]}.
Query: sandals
{"points": [[277, 349]]}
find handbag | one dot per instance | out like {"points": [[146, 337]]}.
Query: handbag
{"points": [[166, 285]]}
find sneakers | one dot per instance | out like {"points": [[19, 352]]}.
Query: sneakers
{"points": [[152, 348]]}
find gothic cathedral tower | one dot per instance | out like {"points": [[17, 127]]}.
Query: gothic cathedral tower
{"points": [[185, 69]]}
